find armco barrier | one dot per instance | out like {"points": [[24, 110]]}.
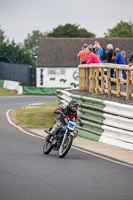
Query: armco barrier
{"points": [[105, 121], [117, 137], [92, 125], [118, 109]]}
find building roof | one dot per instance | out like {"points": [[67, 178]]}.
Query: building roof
{"points": [[62, 52]]}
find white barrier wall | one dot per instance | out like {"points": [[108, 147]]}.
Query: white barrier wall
{"points": [[11, 85]]}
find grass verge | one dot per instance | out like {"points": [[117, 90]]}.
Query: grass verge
{"points": [[6, 92], [41, 117]]}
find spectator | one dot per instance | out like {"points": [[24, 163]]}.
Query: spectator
{"points": [[131, 63], [111, 59], [131, 59], [111, 54], [124, 54], [83, 55], [93, 58], [119, 59], [99, 51]]}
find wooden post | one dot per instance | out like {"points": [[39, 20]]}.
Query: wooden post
{"points": [[90, 80], [87, 78], [97, 80], [84, 79], [128, 87], [117, 82], [108, 81], [102, 81], [80, 79], [93, 81]]}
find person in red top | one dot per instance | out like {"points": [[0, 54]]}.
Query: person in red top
{"points": [[92, 57], [83, 55]]}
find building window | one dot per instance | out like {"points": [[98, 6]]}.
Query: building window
{"points": [[56, 71]]}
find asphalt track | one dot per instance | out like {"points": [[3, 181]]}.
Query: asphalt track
{"points": [[26, 173]]}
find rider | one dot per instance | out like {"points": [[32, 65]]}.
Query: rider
{"points": [[71, 111]]}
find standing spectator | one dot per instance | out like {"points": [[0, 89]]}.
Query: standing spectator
{"points": [[131, 58], [83, 55], [93, 58], [111, 59], [131, 63], [99, 51], [111, 54], [124, 54], [119, 59]]}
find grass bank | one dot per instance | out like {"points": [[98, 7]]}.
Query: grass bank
{"points": [[41, 116], [6, 92]]}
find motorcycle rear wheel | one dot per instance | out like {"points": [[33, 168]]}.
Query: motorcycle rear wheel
{"points": [[65, 147], [47, 147]]}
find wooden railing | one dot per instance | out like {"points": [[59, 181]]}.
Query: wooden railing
{"points": [[89, 79]]}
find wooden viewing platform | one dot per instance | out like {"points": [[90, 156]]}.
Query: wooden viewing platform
{"points": [[89, 79]]}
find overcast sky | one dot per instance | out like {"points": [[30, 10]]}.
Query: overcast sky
{"points": [[20, 17]]}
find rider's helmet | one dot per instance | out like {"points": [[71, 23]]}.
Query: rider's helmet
{"points": [[73, 103]]}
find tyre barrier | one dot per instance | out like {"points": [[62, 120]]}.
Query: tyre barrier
{"points": [[104, 121]]}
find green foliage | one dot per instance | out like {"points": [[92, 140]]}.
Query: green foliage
{"points": [[16, 53], [69, 31], [2, 36], [31, 42], [122, 30]]}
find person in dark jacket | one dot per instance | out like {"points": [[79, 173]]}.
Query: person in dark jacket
{"points": [[111, 59], [131, 58], [71, 111], [119, 59]]}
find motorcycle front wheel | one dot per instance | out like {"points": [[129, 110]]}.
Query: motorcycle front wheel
{"points": [[47, 147], [65, 145]]}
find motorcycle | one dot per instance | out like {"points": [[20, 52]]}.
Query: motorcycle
{"points": [[62, 140]]}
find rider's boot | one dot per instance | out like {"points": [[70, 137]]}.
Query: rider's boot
{"points": [[48, 136]]}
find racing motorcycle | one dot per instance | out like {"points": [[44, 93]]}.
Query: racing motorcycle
{"points": [[61, 140]]}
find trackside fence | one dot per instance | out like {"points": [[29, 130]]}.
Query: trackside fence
{"points": [[89, 78]]}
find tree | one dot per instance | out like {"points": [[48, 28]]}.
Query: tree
{"points": [[122, 29], [16, 53], [69, 31], [31, 42], [2, 35]]}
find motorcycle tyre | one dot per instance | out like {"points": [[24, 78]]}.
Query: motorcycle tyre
{"points": [[67, 149], [45, 149]]}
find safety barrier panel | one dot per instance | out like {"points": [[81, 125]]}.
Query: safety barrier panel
{"points": [[104, 121], [11, 85], [118, 109]]}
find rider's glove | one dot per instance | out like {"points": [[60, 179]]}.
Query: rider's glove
{"points": [[81, 123]]}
